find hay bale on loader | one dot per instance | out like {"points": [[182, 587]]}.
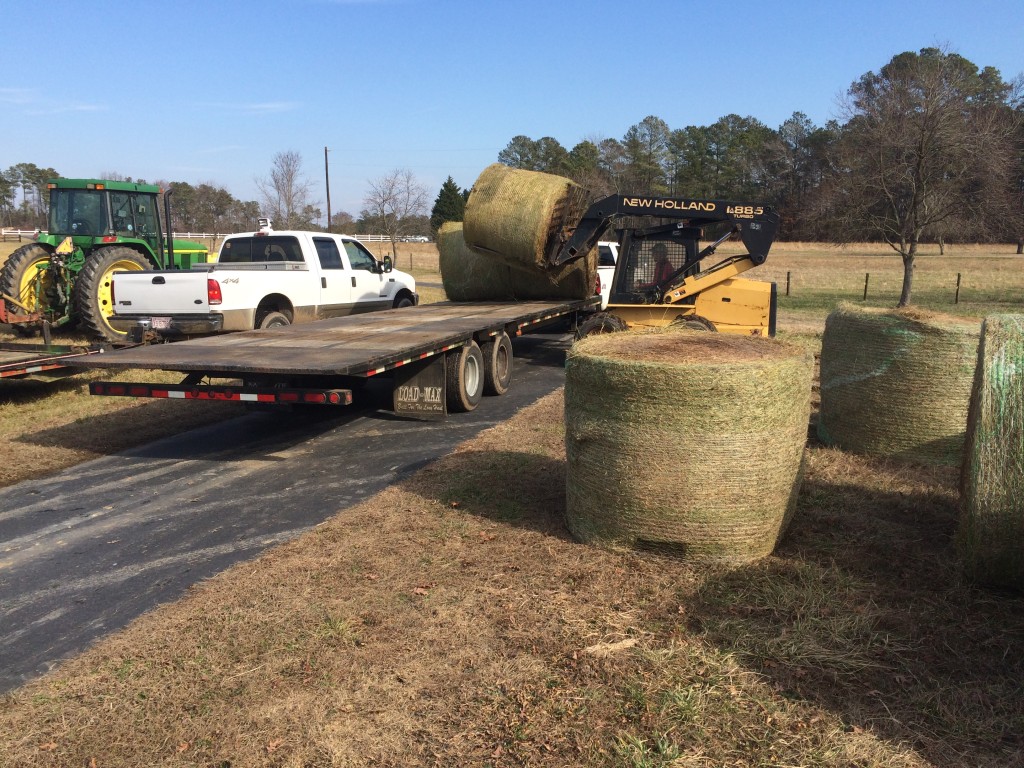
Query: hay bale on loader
{"points": [[990, 537], [686, 443], [512, 217], [897, 383]]}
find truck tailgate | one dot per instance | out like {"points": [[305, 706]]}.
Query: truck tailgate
{"points": [[155, 293]]}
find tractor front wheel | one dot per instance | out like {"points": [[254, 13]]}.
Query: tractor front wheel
{"points": [[27, 279], [94, 300]]}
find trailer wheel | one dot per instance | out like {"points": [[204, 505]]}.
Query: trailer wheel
{"points": [[601, 322], [274, 320], [94, 301], [497, 355], [21, 279], [464, 378]]}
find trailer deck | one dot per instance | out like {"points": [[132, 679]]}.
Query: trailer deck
{"points": [[357, 345], [41, 361]]}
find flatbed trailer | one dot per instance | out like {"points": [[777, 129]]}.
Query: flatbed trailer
{"points": [[442, 357], [45, 362]]}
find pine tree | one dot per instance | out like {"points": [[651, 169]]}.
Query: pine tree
{"points": [[450, 205]]}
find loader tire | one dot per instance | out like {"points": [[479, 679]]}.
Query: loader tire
{"points": [[18, 279], [94, 302], [694, 323], [464, 378], [600, 322]]}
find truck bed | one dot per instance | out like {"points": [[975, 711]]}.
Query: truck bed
{"points": [[354, 345]]}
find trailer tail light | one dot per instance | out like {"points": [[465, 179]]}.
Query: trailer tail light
{"points": [[226, 393], [213, 294]]}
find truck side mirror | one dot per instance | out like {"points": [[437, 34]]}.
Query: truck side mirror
{"points": [[386, 266]]}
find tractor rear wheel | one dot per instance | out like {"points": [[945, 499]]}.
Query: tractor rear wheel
{"points": [[32, 288], [94, 301]]}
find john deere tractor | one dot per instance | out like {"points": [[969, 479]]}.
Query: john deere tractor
{"points": [[96, 228]]}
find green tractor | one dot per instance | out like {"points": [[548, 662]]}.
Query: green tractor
{"points": [[96, 228]]}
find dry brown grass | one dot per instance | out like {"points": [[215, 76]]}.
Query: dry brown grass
{"points": [[451, 620]]}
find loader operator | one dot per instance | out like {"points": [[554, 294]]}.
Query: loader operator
{"points": [[663, 268]]}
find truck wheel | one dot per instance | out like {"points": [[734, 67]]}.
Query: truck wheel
{"points": [[20, 279], [274, 320], [403, 301], [497, 355], [464, 378], [94, 302], [600, 322]]}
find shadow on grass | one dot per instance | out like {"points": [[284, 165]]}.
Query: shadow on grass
{"points": [[520, 488], [864, 611]]}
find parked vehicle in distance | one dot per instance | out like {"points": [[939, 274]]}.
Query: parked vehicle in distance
{"points": [[261, 280]]}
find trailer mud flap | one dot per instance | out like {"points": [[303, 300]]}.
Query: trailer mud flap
{"points": [[419, 390]]}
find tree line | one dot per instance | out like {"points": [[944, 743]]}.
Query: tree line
{"points": [[930, 148]]}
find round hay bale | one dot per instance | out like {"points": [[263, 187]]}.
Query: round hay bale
{"points": [[465, 274], [897, 383], [990, 536], [515, 214], [686, 443], [471, 275]]}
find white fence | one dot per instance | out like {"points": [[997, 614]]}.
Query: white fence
{"points": [[18, 234]]}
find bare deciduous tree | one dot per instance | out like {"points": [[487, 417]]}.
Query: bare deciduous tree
{"points": [[927, 151], [286, 193], [394, 203]]}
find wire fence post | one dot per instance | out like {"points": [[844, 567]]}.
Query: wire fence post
{"points": [[787, 283], [956, 297], [867, 276]]}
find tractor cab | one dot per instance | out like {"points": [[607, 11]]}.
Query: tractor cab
{"points": [[94, 211]]}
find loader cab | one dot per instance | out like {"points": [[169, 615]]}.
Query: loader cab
{"points": [[650, 259]]}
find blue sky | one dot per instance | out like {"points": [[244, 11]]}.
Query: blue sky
{"points": [[210, 90]]}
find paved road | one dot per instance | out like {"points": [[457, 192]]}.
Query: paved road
{"points": [[84, 552]]}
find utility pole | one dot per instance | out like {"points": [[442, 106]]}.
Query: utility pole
{"points": [[327, 179]]}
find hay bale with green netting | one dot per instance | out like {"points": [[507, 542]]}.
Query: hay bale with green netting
{"points": [[686, 443], [897, 383], [514, 214], [470, 276], [991, 532], [516, 217]]}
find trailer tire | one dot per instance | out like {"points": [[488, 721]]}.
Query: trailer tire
{"points": [[464, 378], [92, 292], [497, 355], [17, 280], [274, 320], [600, 322]]}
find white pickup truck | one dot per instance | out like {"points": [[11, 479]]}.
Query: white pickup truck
{"points": [[260, 280]]}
